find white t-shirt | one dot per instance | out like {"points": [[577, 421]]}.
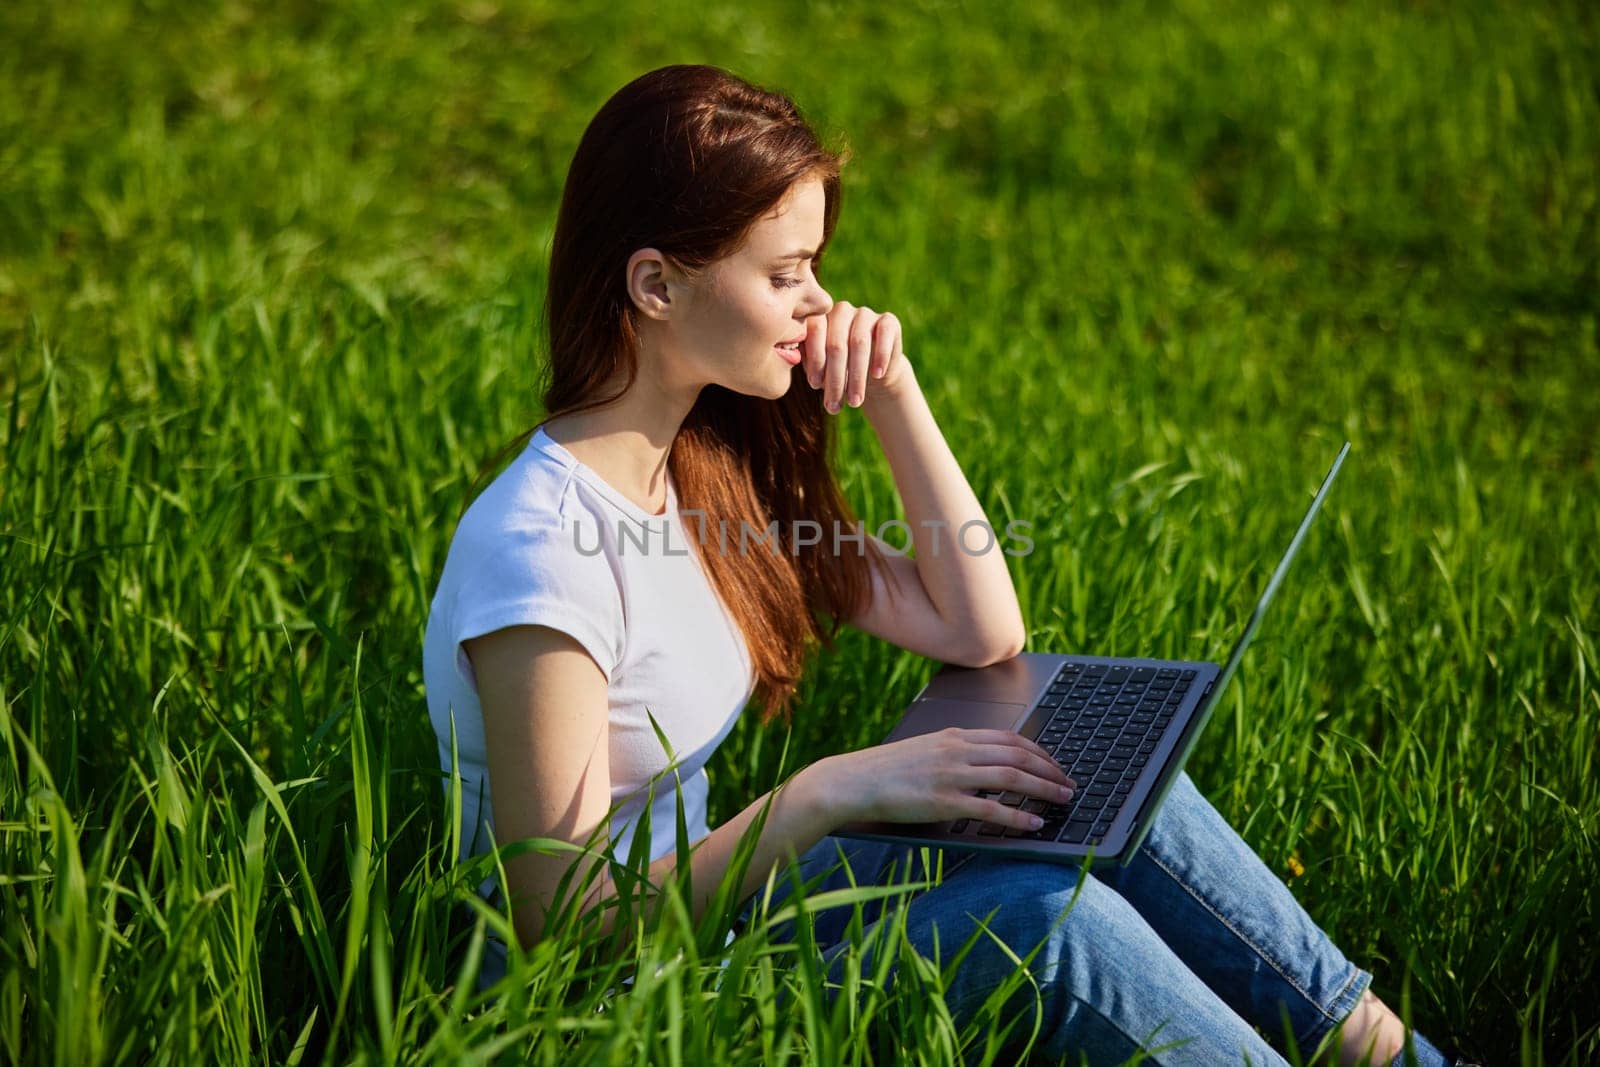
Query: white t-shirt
{"points": [[550, 542]]}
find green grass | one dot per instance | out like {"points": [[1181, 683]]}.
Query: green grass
{"points": [[269, 287]]}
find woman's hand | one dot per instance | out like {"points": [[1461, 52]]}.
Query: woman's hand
{"points": [[853, 354], [937, 776]]}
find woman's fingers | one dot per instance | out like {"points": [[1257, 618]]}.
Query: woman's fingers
{"points": [[997, 813], [861, 339], [1014, 749], [991, 810], [811, 349], [1010, 779], [886, 341], [1010, 738], [836, 352], [840, 349]]}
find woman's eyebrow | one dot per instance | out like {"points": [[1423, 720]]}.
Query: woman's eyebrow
{"points": [[799, 253]]}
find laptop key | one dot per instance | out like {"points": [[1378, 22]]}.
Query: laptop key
{"points": [[990, 829], [959, 826], [1114, 765], [1076, 830]]}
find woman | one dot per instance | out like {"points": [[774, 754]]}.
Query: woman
{"points": [[572, 619]]}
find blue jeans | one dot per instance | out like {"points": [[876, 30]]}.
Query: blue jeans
{"points": [[1195, 942]]}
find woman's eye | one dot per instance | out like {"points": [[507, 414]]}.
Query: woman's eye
{"points": [[784, 283]]}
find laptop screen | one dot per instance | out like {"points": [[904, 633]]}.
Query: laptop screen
{"points": [[1277, 577]]}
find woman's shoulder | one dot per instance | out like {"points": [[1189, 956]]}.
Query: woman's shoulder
{"points": [[521, 529], [535, 494]]}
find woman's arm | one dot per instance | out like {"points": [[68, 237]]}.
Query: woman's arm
{"points": [[545, 728], [971, 589]]}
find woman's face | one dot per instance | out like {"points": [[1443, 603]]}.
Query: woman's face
{"points": [[752, 300]]}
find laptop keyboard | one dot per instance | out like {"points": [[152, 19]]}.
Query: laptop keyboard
{"points": [[1105, 723]]}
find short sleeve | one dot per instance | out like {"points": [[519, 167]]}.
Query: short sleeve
{"points": [[537, 575]]}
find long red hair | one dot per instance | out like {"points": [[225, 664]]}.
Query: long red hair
{"points": [[686, 159]]}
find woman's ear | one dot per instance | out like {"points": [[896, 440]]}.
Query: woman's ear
{"points": [[655, 284]]}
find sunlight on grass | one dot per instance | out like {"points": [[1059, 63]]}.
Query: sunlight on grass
{"points": [[269, 292]]}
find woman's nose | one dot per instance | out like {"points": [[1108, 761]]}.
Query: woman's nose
{"points": [[824, 298]]}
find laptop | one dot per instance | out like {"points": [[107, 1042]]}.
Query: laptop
{"points": [[1122, 728]]}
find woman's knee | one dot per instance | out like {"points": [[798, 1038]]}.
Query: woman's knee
{"points": [[1184, 813], [1097, 975], [1087, 952]]}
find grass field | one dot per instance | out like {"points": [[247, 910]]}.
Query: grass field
{"points": [[269, 295]]}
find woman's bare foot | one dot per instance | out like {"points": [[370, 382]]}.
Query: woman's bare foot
{"points": [[1372, 1034]]}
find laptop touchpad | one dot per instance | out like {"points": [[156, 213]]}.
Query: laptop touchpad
{"points": [[927, 716]]}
